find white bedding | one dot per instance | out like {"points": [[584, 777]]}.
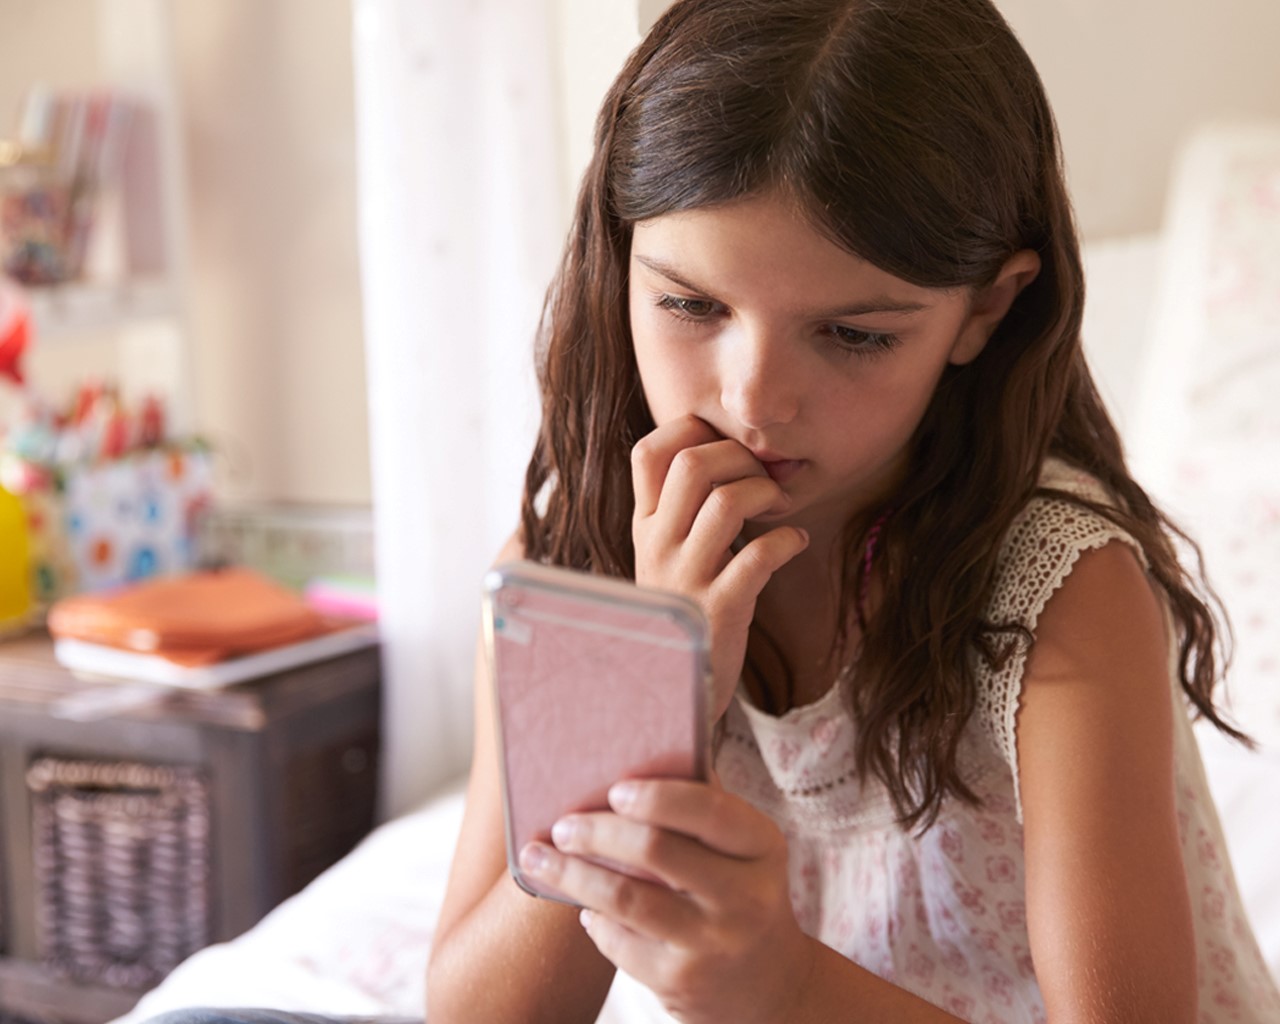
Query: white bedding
{"points": [[356, 940]]}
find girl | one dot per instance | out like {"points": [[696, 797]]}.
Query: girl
{"points": [[813, 359]]}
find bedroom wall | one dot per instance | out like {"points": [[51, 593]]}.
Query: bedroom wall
{"points": [[273, 302], [270, 130], [1128, 80]]}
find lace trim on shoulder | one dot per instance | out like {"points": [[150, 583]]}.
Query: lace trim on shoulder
{"points": [[1039, 552]]}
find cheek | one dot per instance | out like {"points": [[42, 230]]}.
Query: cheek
{"points": [[885, 410], [672, 381], [666, 390]]}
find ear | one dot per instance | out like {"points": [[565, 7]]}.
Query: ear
{"points": [[989, 305]]}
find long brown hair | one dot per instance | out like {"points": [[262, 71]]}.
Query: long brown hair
{"points": [[917, 135]]}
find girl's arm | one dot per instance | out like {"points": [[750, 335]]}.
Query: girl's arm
{"points": [[499, 954], [1108, 910]]}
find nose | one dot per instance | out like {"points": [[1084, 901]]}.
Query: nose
{"points": [[758, 381]]}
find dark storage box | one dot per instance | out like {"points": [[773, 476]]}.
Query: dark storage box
{"points": [[121, 857]]}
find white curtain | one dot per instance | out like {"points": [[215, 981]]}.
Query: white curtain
{"points": [[461, 222]]}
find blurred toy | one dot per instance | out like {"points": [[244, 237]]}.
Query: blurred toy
{"points": [[15, 583], [108, 496], [15, 331]]}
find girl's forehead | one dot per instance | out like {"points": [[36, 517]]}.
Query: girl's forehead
{"points": [[762, 242]]}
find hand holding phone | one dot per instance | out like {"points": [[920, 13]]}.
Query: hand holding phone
{"points": [[594, 680]]}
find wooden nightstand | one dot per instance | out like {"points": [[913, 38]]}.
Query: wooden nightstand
{"points": [[285, 771]]}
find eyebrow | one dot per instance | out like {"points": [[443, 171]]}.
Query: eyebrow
{"points": [[875, 304]]}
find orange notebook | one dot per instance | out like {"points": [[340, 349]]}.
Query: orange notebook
{"points": [[195, 619]]}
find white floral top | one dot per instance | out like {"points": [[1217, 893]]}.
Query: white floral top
{"points": [[944, 914]]}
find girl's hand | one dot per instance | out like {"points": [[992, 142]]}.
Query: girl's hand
{"points": [[694, 491], [698, 909]]}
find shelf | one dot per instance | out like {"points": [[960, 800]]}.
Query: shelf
{"points": [[64, 311]]}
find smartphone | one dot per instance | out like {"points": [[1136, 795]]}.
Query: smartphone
{"points": [[594, 680]]}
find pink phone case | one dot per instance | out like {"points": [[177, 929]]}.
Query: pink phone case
{"points": [[595, 680]]}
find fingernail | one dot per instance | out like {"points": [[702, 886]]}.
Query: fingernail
{"points": [[586, 917], [623, 795], [533, 858], [563, 831], [804, 534]]}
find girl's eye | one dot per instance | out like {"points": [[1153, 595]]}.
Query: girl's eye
{"points": [[852, 341], [844, 339], [684, 308]]}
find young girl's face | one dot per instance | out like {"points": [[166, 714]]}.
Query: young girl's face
{"points": [[817, 361]]}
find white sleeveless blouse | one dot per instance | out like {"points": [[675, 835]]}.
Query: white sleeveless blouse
{"points": [[944, 914]]}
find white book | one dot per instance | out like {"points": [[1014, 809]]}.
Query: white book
{"points": [[98, 662]]}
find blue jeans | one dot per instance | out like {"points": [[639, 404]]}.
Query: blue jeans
{"points": [[218, 1015]]}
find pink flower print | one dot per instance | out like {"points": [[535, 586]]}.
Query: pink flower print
{"points": [[1184, 823], [1001, 870], [1012, 915], [909, 878], [920, 965], [999, 804], [998, 986], [1213, 905], [955, 961], [842, 930], [896, 926], [961, 1006], [1225, 999], [992, 831], [1207, 850], [985, 940], [952, 844], [783, 753], [973, 900], [1022, 960], [1222, 960], [824, 733]]}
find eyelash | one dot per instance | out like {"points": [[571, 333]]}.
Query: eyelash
{"points": [[846, 340]]}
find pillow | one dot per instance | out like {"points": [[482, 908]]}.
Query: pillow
{"points": [[1205, 434]]}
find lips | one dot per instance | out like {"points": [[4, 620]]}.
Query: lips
{"points": [[781, 470], [779, 467]]}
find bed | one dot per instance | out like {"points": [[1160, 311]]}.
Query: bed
{"points": [[1183, 331]]}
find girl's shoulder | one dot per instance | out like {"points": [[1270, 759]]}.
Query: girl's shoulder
{"points": [[1062, 521]]}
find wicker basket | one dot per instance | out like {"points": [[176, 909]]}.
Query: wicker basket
{"points": [[122, 868]]}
